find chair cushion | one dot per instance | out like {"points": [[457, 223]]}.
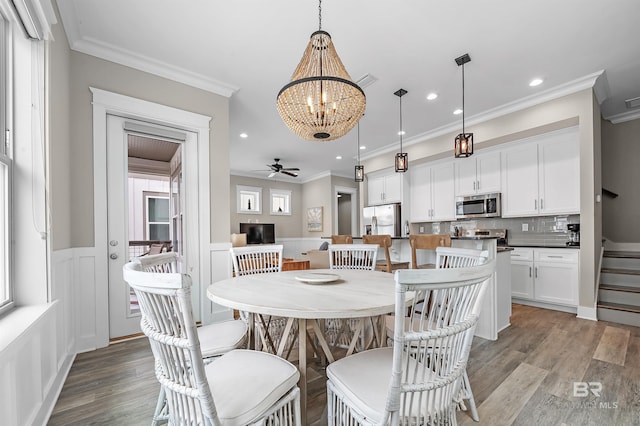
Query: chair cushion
{"points": [[219, 338], [364, 379], [246, 383]]}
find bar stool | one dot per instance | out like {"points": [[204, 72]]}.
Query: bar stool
{"points": [[427, 242], [384, 241]]}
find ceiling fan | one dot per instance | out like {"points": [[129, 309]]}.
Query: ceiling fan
{"points": [[279, 168]]}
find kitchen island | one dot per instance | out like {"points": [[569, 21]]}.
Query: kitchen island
{"points": [[496, 307]]}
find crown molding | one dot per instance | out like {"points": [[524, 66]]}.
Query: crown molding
{"points": [[577, 85], [152, 66], [624, 116]]}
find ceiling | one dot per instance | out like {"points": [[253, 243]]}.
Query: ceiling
{"points": [[248, 50]]}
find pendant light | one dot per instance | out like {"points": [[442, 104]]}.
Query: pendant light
{"points": [[321, 103], [463, 145], [402, 159], [359, 170]]}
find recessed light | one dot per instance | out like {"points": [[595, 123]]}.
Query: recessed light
{"points": [[458, 111], [244, 135], [432, 96], [536, 82], [339, 157], [363, 147], [401, 132]]}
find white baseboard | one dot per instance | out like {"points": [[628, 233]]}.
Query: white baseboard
{"points": [[588, 313]]}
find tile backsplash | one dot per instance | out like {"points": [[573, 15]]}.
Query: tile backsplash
{"points": [[545, 230]]}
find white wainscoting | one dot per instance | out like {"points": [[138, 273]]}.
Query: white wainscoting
{"points": [[221, 269], [37, 352], [294, 247]]}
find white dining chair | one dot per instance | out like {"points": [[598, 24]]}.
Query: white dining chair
{"points": [[261, 260], [341, 332], [418, 379], [215, 339], [353, 256], [241, 387], [452, 257]]}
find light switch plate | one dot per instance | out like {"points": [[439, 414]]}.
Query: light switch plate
{"points": [[422, 229], [525, 227]]}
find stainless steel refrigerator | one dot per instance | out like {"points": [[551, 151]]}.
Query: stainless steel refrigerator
{"points": [[384, 219]]}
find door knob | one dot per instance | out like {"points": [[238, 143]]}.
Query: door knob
{"points": [[113, 243], [113, 256]]}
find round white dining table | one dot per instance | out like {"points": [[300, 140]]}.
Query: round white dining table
{"points": [[293, 294]]}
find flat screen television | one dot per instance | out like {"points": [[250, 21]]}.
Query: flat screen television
{"points": [[259, 233]]}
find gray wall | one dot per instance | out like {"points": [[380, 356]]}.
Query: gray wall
{"points": [[621, 174], [286, 226], [59, 141], [318, 193], [87, 71]]}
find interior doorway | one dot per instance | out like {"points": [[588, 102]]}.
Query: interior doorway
{"points": [[346, 211]]}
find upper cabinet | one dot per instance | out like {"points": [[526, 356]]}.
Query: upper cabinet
{"points": [[478, 174], [541, 175], [431, 190], [384, 189]]}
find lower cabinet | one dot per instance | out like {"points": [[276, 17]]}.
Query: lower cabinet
{"points": [[545, 275]]}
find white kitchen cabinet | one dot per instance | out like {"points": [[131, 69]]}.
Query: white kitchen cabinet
{"points": [[431, 191], [555, 275], [479, 174], [545, 275], [522, 273], [384, 189], [541, 175]]}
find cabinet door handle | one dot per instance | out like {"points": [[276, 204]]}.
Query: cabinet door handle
{"points": [[529, 271], [556, 257], [536, 272], [535, 204], [474, 185], [541, 204], [478, 185]]}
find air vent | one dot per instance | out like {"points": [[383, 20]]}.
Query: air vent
{"points": [[633, 102], [366, 80]]}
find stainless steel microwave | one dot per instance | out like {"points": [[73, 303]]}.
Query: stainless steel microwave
{"points": [[485, 205]]}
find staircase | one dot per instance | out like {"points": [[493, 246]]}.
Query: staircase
{"points": [[619, 292]]}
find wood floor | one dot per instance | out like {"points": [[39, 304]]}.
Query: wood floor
{"points": [[526, 377]]}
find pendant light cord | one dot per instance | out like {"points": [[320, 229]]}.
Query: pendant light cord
{"points": [[463, 99], [320, 15], [401, 124], [358, 147]]}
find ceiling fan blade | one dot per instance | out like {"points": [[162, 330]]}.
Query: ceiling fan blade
{"points": [[289, 173], [272, 174], [292, 169]]}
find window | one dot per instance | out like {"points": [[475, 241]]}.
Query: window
{"points": [[157, 218], [249, 199], [280, 202], [6, 176]]}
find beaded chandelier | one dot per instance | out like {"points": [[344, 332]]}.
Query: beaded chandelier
{"points": [[321, 103]]}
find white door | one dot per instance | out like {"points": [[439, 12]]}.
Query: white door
{"points": [[559, 174], [420, 190], [122, 218]]}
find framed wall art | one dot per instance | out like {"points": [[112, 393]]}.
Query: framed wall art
{"points": [[314, 219]]}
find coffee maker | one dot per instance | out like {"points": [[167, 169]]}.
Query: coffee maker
{"points": [[574, 234]]}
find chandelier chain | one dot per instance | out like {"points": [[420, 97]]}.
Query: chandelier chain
{"points": [[358, 147], [320, 15]]}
